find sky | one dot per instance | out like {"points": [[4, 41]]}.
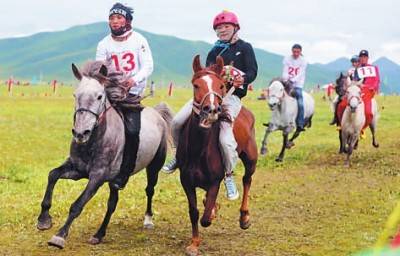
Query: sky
{"points": [[326, 29]]}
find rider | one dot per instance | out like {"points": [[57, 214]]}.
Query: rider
{"points": [[294, 69], [355, 63], [240, 54], [129, 53], [370, 86]]}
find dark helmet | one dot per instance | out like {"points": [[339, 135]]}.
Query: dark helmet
{"points": [[296, 46], [123, 10], [355, 58], [363, 53]]}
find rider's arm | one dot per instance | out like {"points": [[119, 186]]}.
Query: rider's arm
{"points": [[378, 80], [285, 72], [145, 62], [251, 64], [101, 52]]}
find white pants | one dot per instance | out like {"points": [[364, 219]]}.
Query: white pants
{"points": [[226, 138]]}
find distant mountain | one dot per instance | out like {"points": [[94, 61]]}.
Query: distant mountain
{"points": [[338, 65], [390, 75], [50, 55]]}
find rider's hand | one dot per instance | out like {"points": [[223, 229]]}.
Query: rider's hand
{"points": [[238, 81]]}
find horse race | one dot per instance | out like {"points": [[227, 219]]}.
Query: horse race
{"points": [[137, 129]]}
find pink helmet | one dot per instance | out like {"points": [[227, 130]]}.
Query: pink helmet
{"points": [[226, 17]]}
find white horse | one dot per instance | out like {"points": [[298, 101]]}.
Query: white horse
{"points": [[353, 120], [284, 112]]}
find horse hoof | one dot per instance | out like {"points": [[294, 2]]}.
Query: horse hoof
{"points": [[148, 226], [192, 251], [148, 222], [44, 225], [278, 159], [245, 224], [289, 145], [57, 241], [94, 240], [376, 145], [205, 223], [263, 151]]}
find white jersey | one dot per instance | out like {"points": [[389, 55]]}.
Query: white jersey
{"points": [[294, 70], [132, 56], [350, 72]]}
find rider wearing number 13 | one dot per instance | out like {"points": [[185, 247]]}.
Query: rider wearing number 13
{"points": [[129, 53], [294, 70]]}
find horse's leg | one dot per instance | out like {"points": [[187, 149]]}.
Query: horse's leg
{"points": [[93, 185], [372, 127], [264, 149], [211, 198], [282, 153], [65, 171], [111, 205], [250, 167], [290, 143], [342, 145], [352, 141], [193, 248], [152, 178]]}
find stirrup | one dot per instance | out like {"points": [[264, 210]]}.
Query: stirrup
{"points": [[231, 190], [170, 167]]}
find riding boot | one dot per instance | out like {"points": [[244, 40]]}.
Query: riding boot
{"points": [[335, 119], [132, 129]]}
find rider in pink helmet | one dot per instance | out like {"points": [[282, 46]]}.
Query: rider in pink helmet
{"points": [[226, 17]]}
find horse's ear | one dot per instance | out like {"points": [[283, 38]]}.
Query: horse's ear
{"points": [[103, 70], [220, 65], [341, 75], [196, 64], [76, 72]]}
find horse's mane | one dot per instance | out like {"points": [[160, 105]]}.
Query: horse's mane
{"points": [[115, 83], [288, 85], [340, 88]]}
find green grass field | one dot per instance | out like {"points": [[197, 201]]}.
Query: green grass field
{"points": [[308, 205]]}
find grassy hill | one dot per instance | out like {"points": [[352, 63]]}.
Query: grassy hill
{"points": [[51, 54]]}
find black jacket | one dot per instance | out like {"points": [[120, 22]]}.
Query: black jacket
{"points": [[242, 55]]}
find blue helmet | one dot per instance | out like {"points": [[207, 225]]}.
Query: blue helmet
{"points": [[355, 58]]}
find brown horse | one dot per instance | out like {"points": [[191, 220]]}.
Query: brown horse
{"points": [[198, 154]]}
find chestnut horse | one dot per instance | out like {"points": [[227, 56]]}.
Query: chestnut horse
{"points": [[199, 155]]}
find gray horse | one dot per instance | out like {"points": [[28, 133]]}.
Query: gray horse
{"points": [[97, 149]]}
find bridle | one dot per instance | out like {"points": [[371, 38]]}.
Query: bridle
{"points": [[198, 106], [99, 116]]}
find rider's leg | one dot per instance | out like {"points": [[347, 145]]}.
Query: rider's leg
{"points": [[335, 104], [367, 99], [228, 145], [300, 109], [132, 134], [176, 126]]}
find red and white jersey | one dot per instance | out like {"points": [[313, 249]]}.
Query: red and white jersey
{"points": [[294, 70], [132, 56], [370, 76]]}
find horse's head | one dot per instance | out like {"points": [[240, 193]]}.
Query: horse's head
{"points": [[276, 92], [353, 94], [90, 99], [208, 88], [342, 82]]}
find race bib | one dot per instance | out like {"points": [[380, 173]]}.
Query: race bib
{"points": [[293, 71], [368, 71], [124, 61]]}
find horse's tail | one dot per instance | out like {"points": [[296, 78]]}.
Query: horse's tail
{"points": [[167, 115]]}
